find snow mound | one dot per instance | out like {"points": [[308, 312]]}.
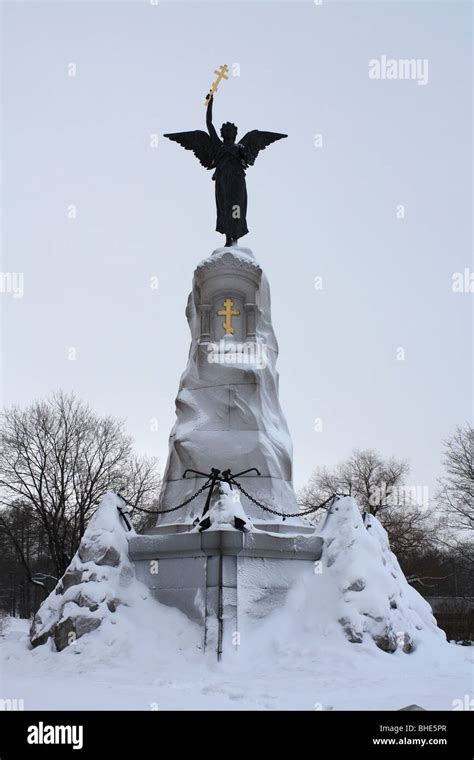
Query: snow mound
{"points": [[375, 597], [100, 609], [356, 594], [97, 581]]}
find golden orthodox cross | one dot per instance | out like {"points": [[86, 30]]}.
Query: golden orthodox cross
{"points": [[228, 312], [221, 74]]}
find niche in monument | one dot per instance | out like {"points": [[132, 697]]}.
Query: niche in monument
{"points": [[228, 312]]}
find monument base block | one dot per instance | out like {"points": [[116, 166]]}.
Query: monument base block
{"points": [[224, 580]]}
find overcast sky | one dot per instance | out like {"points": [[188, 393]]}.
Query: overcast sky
{"points": [[327, 211]]}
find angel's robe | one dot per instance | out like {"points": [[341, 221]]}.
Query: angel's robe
{"points": [[231, 190]]}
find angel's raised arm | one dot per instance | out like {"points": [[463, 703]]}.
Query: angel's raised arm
{"points": [[209, 124]]}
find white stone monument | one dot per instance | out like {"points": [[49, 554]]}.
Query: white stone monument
{"points": [[231, 566]]}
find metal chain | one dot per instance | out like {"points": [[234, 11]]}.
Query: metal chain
{"points": [[173, 509], [284, 514], [301, 513]]}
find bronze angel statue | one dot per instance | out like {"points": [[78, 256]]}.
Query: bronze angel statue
{"points": [[229, 159]]}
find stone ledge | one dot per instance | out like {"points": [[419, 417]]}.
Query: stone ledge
{"points": [[227, 543]]}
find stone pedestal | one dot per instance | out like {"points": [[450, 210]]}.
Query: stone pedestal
{"points": [[228, 416], [224, 580], [227, 408]]}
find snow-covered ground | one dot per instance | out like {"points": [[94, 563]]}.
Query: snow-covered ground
{"points": [[322, 650], [147, 673]]}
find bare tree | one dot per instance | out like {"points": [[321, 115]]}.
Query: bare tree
{"points": [[411, 529], [24, 560], [456, 488], [379, 487], [374, 482], [57, 459]]}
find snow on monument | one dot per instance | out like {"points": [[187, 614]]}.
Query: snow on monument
{"points": [[228, 411], [228, 551], [230, 543]]}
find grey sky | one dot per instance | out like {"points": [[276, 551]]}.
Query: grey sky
{"points": [[325, 211]]}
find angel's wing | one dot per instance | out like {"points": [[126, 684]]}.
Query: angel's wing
{"points": [[199, 142], [255, 141]]}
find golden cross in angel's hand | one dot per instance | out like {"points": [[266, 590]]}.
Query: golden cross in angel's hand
{"points": [[221, 74]]}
